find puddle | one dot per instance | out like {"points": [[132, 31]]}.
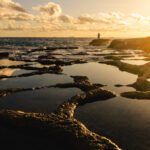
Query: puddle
{"points": [[34, 81], [6, 62], [101, 73], [125, 121], [44, 100]]}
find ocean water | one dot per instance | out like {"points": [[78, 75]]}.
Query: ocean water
{"points": [[125, 121], [8, 43]]}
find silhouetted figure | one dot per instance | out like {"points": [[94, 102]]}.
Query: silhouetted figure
{"points": [[98, 36]]}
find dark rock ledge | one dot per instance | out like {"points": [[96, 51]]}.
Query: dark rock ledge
{"points": [[142, 85], [100, 42], [132, 43], [137, 95], [61, 129], [81, 82]]}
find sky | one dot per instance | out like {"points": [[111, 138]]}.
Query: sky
{"points": [[74, 18]]}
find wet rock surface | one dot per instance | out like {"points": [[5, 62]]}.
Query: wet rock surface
{"points": [[142, 85], [71, 133], [81, 82], [143, 72], [61, 62], [137, 95], [61, 125]]}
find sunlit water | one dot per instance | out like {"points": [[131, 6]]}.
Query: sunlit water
{"points": [[6, 62], [103, 74], [135, 62], [13, 72]]}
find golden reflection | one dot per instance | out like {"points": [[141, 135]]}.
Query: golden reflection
{"points": [[7, 72]]}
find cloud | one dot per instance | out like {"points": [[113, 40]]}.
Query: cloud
{"points": [[51, 9], [14, 26], [10, 5], [16, 16], [10, 10], [86, 19], [67, 19], [136, 17], [13, 17], [102, 18]]}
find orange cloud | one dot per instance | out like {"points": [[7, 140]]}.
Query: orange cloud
{"points": [[9, 4]]}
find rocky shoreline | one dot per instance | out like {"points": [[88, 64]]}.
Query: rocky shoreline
{"points": [[61, 125], [142, 85], [132, 43], [60, 129]]}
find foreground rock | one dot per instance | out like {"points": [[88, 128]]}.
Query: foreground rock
{"points": [[67, 109], [61, 133], [134, 43], [62, 129], [59, 130]]}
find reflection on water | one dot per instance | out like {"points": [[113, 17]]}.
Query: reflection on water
{"points": [[13, 72], [6, 62], [44, 100], [104, 74], [135, 62], [125, 121], [119, 90], [7, 72], [136, 57], [101, 73], [34, 81], [37, 65]]}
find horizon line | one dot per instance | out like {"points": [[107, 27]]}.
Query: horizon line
{"points": [[69, 37]]}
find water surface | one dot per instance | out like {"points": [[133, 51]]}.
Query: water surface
{"points": [[34, 81], [101, 73], [125, 121], [45, 100]]}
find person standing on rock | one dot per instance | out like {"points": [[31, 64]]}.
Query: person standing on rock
{"points": [[98, 36]]}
